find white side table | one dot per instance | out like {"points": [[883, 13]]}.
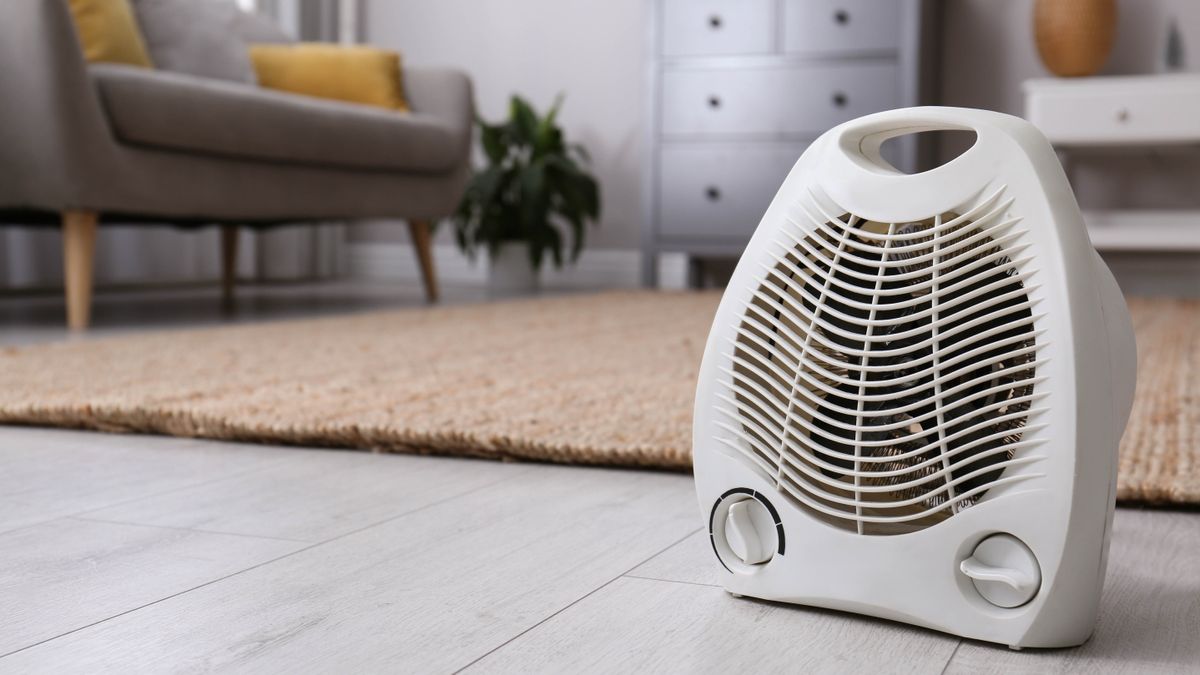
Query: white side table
{"points": [[1148, 111]]}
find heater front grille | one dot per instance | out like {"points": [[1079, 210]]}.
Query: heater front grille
{"points": [[883, 374]]}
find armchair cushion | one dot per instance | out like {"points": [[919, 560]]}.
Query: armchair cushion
{"points": [[354, 74], [177, 112], [108, 32], [197, 38]]}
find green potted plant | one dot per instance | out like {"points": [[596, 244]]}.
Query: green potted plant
{"points": [[532, 194]]}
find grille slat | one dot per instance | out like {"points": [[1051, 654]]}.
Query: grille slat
{"points": [[806, 479], [981, 228], [876, 475], [959, 388], [838, 516], [883, 375], [913, 436], [892, 392], [862, 380], [986, 209], [790, 314], [935, 325], [801, 245], [890, 384], [960, 304], [815, 461], [954, 287]]}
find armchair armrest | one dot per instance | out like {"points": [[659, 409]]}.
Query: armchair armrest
{"points": [[53, 135], [446, 95]]}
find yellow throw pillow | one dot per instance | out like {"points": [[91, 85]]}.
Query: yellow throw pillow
{"points": [[109, 32], [345, 73]]}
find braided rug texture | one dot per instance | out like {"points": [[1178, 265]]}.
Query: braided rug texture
{"points": [[602, 379]]}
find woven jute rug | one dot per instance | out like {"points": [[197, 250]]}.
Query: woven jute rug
{"points": [[601, 379]]}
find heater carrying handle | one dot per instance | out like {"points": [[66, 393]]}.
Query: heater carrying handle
{"points": [[860, 140], [856, 173]]}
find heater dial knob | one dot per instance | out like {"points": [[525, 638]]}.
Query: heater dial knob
{"points": [[1004, 571], [750, 531]]}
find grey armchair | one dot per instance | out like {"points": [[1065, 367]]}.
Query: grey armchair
{"points": [[82, 145]]}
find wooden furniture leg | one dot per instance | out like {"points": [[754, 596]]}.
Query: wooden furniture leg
{"points": [[422, 239], [79, 247], [229, 251]]}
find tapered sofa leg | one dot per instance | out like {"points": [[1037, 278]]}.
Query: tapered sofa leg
{"points": [[422, 239], [79, 248], [229, 253]]}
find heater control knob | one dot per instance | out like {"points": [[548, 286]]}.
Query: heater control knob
{"points": [[750, 531], [1004, 571]]}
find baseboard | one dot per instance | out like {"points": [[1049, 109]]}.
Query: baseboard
{"points": [[1155, 273], [130, 256], [397, 262], [596, 268]]}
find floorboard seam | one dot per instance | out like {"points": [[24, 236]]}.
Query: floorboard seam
{"points": [[266, 562], [672, 581], [191, 529], [152, 495], [576, 601], [951, 659]]}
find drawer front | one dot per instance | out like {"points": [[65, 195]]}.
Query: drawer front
{"points": [[841, 26], [720, 190], [1116, 116], [717, 27], [804, 100]]}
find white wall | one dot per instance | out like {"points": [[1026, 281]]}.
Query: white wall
{"points": [[988, 51], [594, 51], [988, 47], [590, 50]]}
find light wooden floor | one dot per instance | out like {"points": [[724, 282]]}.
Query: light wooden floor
{"points": [[128, 553], [143, 554]]}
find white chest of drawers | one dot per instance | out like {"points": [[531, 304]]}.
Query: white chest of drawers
{"points": [[738, 88], [1134, 113], [1137, 110]]}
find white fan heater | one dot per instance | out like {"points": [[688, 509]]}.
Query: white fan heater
{"points": [[913, 391]]}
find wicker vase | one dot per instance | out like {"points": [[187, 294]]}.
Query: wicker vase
{"points": [[1074, 37]]}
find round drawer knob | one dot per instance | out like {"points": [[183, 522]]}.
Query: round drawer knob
{"points": [[714, 102], [841, 17], [840, 99], [713, 193], [1123, 115], [715, 22]]}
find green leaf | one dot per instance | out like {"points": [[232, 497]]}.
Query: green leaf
{"points": [[524, 121], [533, 195], [549, 136], [492, 138], [533, 189], [576, 222], [552, 114], [591, 192]]}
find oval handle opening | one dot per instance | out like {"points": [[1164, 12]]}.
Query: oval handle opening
{"points": [[947, 145]]}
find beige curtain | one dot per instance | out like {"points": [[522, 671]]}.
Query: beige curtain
{"points": [[314, 251]]}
